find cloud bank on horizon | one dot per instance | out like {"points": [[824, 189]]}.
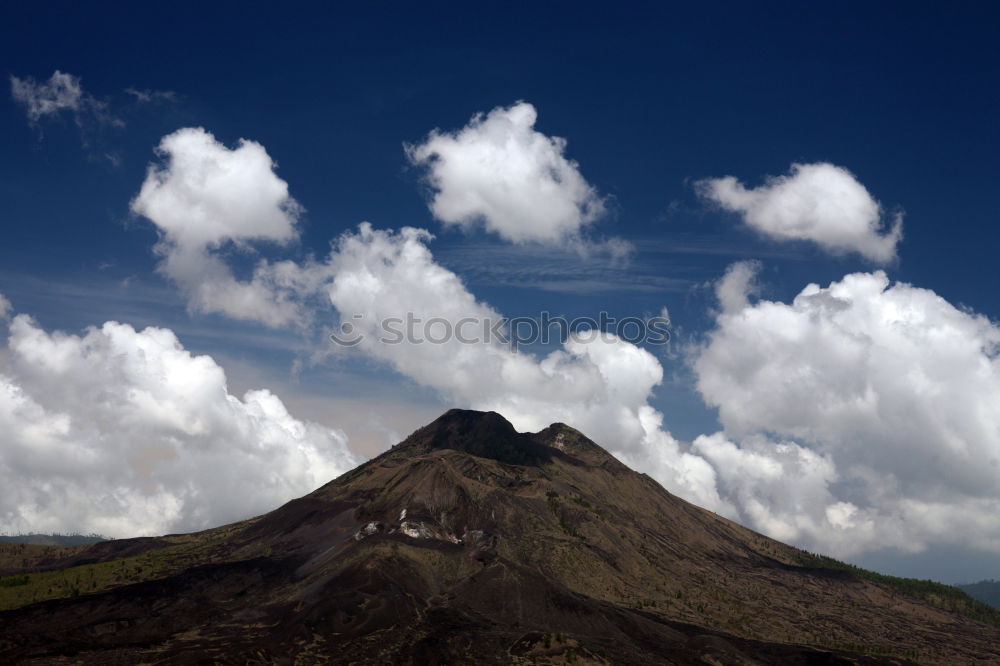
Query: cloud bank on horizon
{"points": [[860, 415], [856, 417], [122, 433]]}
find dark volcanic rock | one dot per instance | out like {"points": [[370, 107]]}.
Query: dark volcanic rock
{"points": [[482, 434], [471, 543]]}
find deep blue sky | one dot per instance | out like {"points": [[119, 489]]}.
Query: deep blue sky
{"points": [[650, 97]]}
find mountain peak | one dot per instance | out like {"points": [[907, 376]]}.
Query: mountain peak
{"points": [[482, 434], [470, 542], [456, 417]]}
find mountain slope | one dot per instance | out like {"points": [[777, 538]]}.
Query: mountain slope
{"points": [[472, 543], [986, 591]]}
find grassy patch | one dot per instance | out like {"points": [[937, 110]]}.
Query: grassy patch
{"points": [[184, 551], [15, 556], [13, 581]]}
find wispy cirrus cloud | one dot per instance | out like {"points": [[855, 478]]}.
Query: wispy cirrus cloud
{"points": [[657, 264], [142, 301], [557, 270], [63, 96], [148, 96], [63, 93]]}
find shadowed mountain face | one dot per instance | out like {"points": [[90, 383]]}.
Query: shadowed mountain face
{"points": [[472, 543]]}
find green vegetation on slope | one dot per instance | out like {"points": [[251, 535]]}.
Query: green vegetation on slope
{"points": [[53, 539], [13, 581], [938, 595], [180, 552]]}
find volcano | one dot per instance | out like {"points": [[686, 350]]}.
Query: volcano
{"points": [[472, 543]]}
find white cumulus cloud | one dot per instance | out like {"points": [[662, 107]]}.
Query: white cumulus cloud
{"points": [[783, 489], [500, 172], [599, 384], [124, 432], [204, 197], [207, 195], [821, 202], [885, 395], [859, 416]]}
